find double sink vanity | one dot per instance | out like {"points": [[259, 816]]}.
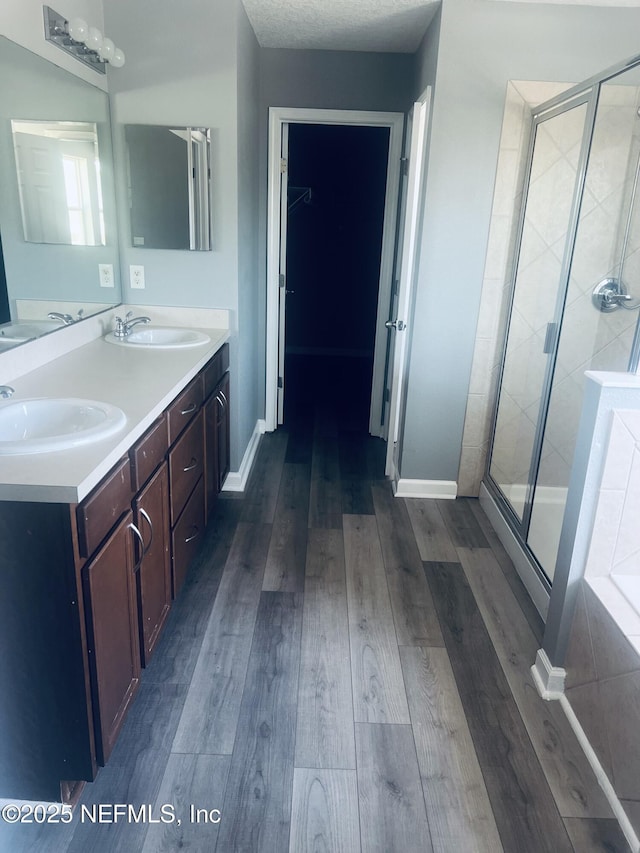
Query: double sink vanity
{"points": [[112, 456]]}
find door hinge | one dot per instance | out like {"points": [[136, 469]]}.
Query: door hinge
{"points": [[387, 395], [404, 165], [282, 279], [283, 165], [280, 382]]}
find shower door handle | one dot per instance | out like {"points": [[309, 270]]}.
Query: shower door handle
{"points": [[550, 338]]}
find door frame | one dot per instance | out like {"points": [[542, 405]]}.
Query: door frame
{"points": [[278, 116]]}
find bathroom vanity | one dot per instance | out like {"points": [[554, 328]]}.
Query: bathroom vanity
{"points": [[95, 543]]}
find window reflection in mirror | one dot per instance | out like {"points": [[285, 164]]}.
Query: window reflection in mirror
{"points": [[58, 168], [169, 187]]}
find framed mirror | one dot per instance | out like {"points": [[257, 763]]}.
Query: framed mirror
{"points": [[58, 205], [169, 186]]}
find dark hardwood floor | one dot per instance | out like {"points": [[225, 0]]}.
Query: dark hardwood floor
{"points": [[344, 671]]}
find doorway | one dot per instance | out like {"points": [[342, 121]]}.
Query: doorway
{"points": [[331, 320], [335, 214]]}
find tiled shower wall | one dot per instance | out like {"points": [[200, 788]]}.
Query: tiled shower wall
{"points": [[590, 340]]}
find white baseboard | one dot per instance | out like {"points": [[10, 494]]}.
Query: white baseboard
{"points": [[446, 489], [237, 480], [549, 679]]}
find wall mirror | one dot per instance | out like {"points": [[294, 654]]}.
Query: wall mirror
{"points": [[169, 186], [74, 270]]}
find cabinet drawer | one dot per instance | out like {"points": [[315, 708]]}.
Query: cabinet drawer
{"points": [[149, 452], [213, 372], [186, 464], [187, 536], [98, 513], [185, 407]]}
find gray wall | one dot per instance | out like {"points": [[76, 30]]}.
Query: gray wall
{"points": [[251, 303], [482, 45], [183, 72], [187, 71]]}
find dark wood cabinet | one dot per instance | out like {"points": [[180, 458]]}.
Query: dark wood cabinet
{"points": [[151, 517], [87, 589], [112, 633]]}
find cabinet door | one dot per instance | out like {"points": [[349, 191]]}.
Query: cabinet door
{"points": [[222, 394], [211, 415], [112, 634], [216, 425], [151, 510]]}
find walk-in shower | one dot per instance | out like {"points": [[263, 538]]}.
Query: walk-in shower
{"points": [[575, 298]]}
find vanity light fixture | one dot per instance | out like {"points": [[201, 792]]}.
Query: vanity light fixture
{"points": [[80, 40]]}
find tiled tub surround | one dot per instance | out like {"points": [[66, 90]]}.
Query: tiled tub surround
{"points": [[602, 663], [613, 563], [590, 340], [142, 382], [603, 689]]}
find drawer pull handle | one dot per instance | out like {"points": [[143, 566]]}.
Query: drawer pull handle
{"points": [[193, 535], [189, 410], [146, 517], [137, 533], [224, 399], [193, 464]]}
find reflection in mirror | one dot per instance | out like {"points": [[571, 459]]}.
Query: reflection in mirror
{"points": [[58, 167], [63, 274], [169, 186]]}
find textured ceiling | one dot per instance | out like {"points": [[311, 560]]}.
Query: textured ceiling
{"points": [[377, 25]]}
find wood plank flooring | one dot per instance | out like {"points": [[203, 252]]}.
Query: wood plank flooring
{"points": [[344, 672]]}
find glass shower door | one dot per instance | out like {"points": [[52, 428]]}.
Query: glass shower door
{"points": [[547, 221], [605, 255]]}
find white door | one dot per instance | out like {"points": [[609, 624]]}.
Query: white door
{"points": [[406, 264], [282, 276]]}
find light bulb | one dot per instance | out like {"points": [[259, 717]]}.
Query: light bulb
{"points": [[106, 49], [118, 58], [78, 29], [94, 39]]}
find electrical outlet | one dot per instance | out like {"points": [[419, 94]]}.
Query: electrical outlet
{"points": [[136, 276], [105, 271]]}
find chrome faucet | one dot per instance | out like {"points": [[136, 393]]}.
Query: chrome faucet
{"points": [[6, 391], [66, 319], [124, 327]]}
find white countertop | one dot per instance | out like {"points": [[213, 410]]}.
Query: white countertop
{"points": [[142, 382]]}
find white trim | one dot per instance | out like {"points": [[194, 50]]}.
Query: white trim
{"points": [[601, 776], [282, 115], [549, 679], [237, 480], [538, 592], [446, 489], [406, 268]]}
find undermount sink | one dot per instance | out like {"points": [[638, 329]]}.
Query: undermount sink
{"points": [[42, 425], [160, 337]]}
